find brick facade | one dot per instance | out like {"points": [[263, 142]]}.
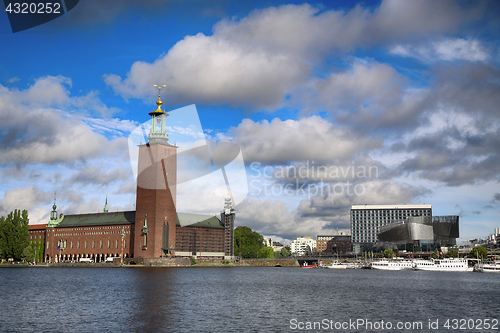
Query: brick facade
{"points": [[96, 242], [155, 201]]}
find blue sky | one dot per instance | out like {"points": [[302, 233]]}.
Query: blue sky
{"points": [[409, 89]]}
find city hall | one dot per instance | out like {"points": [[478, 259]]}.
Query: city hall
{"points": [[154, 230]]}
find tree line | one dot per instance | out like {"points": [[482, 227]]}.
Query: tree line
{"points": [[252, 246], [14, 236]]}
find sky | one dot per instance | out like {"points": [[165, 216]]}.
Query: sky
{"points": [[328, 103]]}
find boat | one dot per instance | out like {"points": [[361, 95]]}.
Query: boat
{"points": [[392, 265], [336, 265], [353, 265], [443, 265], [305, 265], [489, 267]]}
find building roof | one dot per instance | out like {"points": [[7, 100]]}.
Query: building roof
{"points": [[198, 220], [86, 220], [37, 226], [120, 218]]}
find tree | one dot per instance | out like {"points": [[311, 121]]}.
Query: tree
{"points": [[388, 253], [478, 252], [283, 253], [266, 252], [14, 234], [452, 253], [251, 242], [435, 254], [37, 248], [27, 254]]}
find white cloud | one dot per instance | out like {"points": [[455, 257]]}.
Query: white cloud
{"points": [[257, 60], [201, 68], [34, 130], [23, 198], [445, 50], [311, 138]]}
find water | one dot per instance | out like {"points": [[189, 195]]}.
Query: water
{"points": [[242, 299]]}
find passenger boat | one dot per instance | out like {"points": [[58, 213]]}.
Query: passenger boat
{"points": [[443, 265], [489, 267], [392, 265], [353, 265], [336, 265]]}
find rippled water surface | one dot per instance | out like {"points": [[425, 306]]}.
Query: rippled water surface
{"points": [[242, 299]]}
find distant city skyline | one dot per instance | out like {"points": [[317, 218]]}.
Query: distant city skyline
{"points": [[374, 102]]}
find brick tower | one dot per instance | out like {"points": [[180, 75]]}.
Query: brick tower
{"points": [[155, 216]]}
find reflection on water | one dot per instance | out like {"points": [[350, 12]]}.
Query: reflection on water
{"points": [[234, 299]]}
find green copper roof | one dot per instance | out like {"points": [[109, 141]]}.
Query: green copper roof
{"points": [[85, 220], [198, 220]]}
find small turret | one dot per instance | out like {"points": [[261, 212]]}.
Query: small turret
{"points": [[106, 205], [53, 214]]}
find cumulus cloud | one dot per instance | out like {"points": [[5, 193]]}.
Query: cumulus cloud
{"points": [[334, 204], [458, 143], [215, 71], [445, 50], [272, 217], [311, 138], [257, 60], [34, 130], [23, 198], [97, 176], [367, 96]]}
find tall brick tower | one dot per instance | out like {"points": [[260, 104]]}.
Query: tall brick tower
{"points": [[155, 216]]}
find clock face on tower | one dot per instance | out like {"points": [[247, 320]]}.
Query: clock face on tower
{"points": [[227, 211]]}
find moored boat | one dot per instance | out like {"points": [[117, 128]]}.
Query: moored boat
{"points": [[305, 265], [336, 265], [489, 267], [443, 265], [392, 265]]}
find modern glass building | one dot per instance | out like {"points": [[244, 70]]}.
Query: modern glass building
{"points": [[367, 219]]}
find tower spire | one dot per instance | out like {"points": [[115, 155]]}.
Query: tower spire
{"points": [[53, 214], [158, 118], [106, 205]]}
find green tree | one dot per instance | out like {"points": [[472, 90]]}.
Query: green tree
{"points": [[435, 254], [478, 252], [27, 254], [452, 253], [14, 234], [283, 253], [388, 253], [251, 242], [266, 252], [37, 247]]}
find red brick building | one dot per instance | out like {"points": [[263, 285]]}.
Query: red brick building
{"points": [[154, 230]]}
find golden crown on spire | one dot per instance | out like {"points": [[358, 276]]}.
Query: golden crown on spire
{"points": [[159, 102]]}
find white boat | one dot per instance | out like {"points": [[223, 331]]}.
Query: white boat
{"points": [[392, 265], [443, 265], [336, 265], [353, 265], [490, 267]]}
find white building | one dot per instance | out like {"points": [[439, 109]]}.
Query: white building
{"points": [[302, 246], [277, 246]]}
